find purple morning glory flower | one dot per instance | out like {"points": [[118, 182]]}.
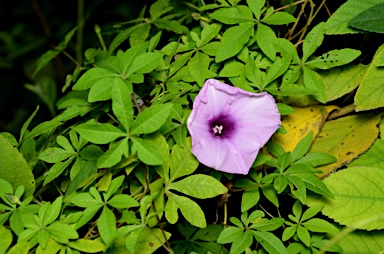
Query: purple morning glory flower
{"points": [[228, 126]]}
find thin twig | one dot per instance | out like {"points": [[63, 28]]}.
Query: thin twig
{"points": [[80, 30], [289, 5]]}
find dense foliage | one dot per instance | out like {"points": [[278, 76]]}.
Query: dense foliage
{"points": [[111, 169]]}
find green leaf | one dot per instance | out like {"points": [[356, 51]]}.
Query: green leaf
{"points": [[19, 248], [338, 22], [159, 8], [180, 62], [320, 226], [122, 103], [346, 138], [370, 20], [63, 230], [122, 201], [44, 59], [14, 169], [190, 210], [358, 198], [101, 89], [241, 243], [362, 242], [229, 234], [233, 41], [171, 25], [302, 147], [171, 213], [268, 225], [126, 58], [315, 159], [265, 37], [42, 128], [198, 67], [370, 92], [249, 199], [145, 63], [279, 18], [276, 70], [199, 186], [5, 239], [313, 81], [113, 155], [341, 81], [145, 240], [312, 41], [122, 36], [52, 212], [233, 15], [232, 69], [106, 225], [87, 246], [154, 41], [304, 235], [208, 33], [256, 7], [147, 151], [151, 119], [334, 58], [55, 154], [182, 161], [101, 133], [86, 200], [270, 242], [91, 76], [371, 158], [314, 184], [27, 123]]}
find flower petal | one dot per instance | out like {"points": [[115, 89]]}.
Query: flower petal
{"points": [[254, 116]]}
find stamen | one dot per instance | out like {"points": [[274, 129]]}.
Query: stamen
{"points": [[217, 129]]}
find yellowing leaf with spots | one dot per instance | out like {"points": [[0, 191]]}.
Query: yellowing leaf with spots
{"points": [[346, 138], [300, 123]]}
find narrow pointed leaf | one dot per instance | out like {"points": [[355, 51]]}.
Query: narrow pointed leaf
{"points": [[102, 133], [233, 41], [147, 151], [151, 119], [122, 103], [199, 186]]}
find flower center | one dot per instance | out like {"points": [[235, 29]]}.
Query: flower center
{"points": [[217, 130], [222, 126]]}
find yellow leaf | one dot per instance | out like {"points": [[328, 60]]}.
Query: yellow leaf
{"points": [[346, 138], [300, 123]]}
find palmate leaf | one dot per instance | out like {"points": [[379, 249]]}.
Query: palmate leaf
{"points": [[198, 67], [113, 155], [359, 198], [182, 161], [312, 41], [106, 225], [122, 103]]}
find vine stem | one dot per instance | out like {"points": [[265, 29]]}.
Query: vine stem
{"points": [[289, 5], [167, 246]]}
